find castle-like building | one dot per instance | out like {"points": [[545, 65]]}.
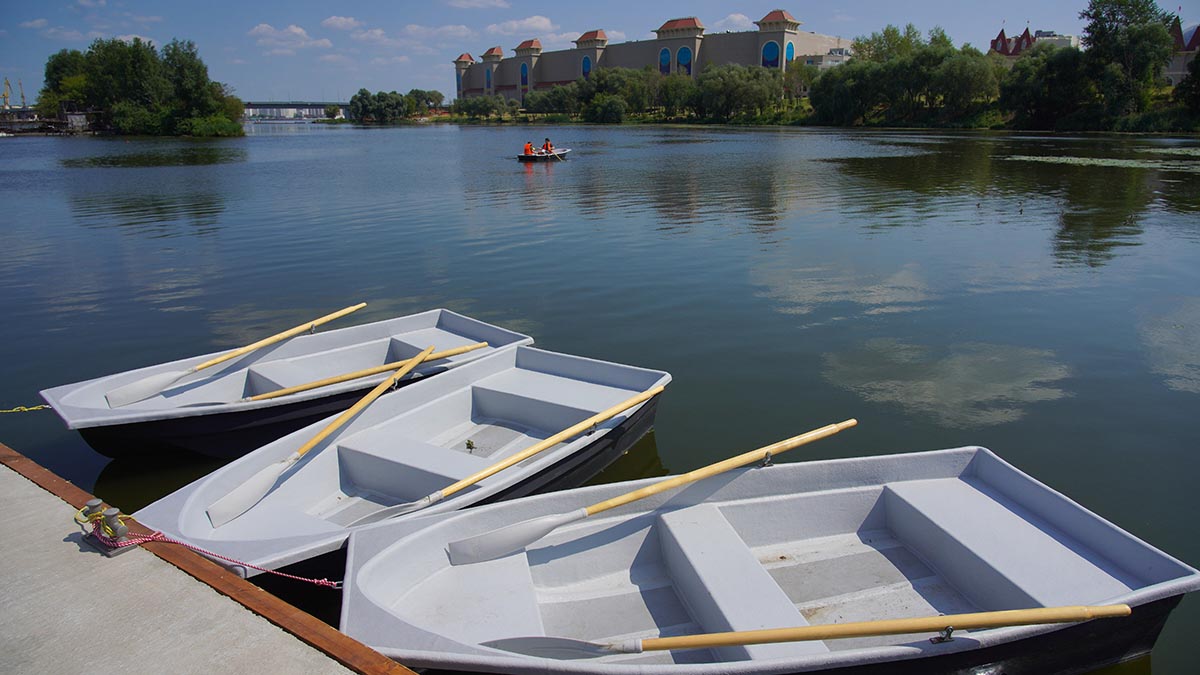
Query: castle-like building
{"points": [[681, 46]]}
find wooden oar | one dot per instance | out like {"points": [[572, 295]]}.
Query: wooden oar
{"points": [[574, 430], [149, 386], [567, 648], [517, 536], [240, 499], [445, 354]]}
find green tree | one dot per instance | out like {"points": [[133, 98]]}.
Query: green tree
{"points": [[675, 92], [962, 82], [1046, 85], [798, 79], [888, 44], [332, 110], [1127, 46], [844, 95], [1187, 91], [184, 69], [605, 109], [360, 104]]}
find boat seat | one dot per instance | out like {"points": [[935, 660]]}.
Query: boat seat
{"points": [[564, 391], [994, 551], [723, 584], [400, 467]]}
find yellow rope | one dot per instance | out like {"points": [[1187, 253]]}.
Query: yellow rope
{"points": [[98, 516], [22, 408]]}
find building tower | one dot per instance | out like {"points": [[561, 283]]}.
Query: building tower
{"points": [[682, 42], [491, 61], [777, 39], [461, 64], [527, 55], [590, 47]]}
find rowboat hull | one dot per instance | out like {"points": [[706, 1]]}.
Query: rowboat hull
{"points": [[861, 539], [544, 157], [413, 442], [206, 413]]}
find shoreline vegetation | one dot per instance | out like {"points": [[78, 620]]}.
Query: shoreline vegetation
{"points": [[901, 78], [131, 88]]}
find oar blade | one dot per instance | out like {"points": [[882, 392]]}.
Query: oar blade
{"points": [[551, 647], [142, 389], [240, 499], [501, 542]]}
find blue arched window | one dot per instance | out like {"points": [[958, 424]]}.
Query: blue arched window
{"points": [[791, 52], [587, 66], [487, 78], [684, 58], [770, 55], [524, 74], [664, 61], [458, 79]]}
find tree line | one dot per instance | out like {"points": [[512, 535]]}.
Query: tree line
{"points": [[906, 78], [136, 89], [391, 107]]}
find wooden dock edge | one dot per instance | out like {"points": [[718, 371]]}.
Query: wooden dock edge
{"points": [[321, 636]]}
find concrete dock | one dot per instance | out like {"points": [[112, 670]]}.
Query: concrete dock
{"points": [[70, 609]]}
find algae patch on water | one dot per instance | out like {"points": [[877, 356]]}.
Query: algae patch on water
{"points": [[1157, 164]]}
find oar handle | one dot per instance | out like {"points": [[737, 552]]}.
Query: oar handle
{"points": [[362, 403], [278, 337], [1011, 617], [550, 442], [719, 467], [375, 370]]}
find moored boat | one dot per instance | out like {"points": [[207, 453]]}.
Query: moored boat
{"points": [[229, 410], [401, 455], [542, 156], [792, 545]]}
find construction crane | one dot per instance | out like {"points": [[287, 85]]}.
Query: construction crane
{"points": [[7, 93], [20, 86]]}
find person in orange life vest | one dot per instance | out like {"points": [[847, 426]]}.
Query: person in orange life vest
{"points": [[547, 147], [529, 147]]}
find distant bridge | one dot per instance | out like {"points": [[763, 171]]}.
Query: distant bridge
{"points": [[289, 110]]}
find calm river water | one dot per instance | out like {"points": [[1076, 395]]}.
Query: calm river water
{"points": [[1036, 295]]}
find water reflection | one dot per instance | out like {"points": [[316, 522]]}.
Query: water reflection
{"points": [[131, 484], [1172, 339], [801, 290], [959, 386], [155, 215], [187, 155], [641, 461]]}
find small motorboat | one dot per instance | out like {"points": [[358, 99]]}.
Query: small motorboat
{"points": [[229, 410], [543, 156], [807, 547], [427, 448]]}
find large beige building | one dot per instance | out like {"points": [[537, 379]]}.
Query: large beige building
{"points": [[681, 46]]}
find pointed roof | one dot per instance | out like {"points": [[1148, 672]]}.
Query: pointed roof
{"points": [[778, 15], [1191, 38], [592, 35], [465, 57], [685, 22], [494, 51], [1000, 44], [530, 44]]}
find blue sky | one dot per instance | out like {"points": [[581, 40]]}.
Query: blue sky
{"points": [[301, 49]]}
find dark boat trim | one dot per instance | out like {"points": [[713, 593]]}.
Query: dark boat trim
{"points": [[224, 435]]}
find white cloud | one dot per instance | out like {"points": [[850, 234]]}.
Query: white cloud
{"points": [[341, 59], [551, 41], [129, 38], [237, 62], [286, 40], [389, 61], [281, 51], [93, 3], [36, 23], [735, 22], [341, 22], [377, 36], [841, 18], [530, 25], [60, 33], [615, 35], [455, 31], [478, 4]]}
